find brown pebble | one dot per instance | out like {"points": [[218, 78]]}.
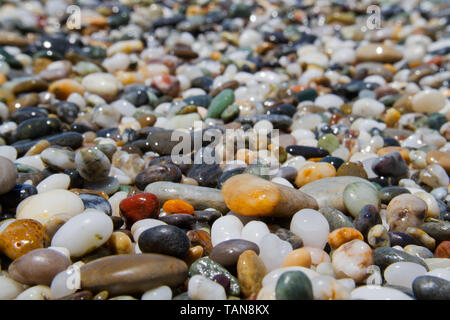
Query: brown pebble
{"points": [[39, 266], [201, 238], [250, 271], [443, 250], [439, 157]]}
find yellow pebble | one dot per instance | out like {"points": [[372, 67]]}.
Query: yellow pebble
{"points": [[314, 171], [298, 257]]}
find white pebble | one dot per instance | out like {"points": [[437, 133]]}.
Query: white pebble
{"points": [[272, 276], [372, 292], [403, 273], [254, 231], [9, 288], [8, 152], [160, 293], [273, 251], [36, 293], [226, 228], [202, 288], [84, 232], [55, 181], [367, 108], [312, 227], [328, 101], [443, 273]]}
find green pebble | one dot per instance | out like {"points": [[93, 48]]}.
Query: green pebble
{"points": [[294, 285], [328, 142], [219, 103], [230, 113], [436, 120], [359, 194], [309, 94]]}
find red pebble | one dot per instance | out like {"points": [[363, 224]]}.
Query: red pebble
{"points": [[138, 207], [443, 250]]}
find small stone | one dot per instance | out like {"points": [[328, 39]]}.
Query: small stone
{"points": [[273, 251], [378, 237], [328, 192], [335, 218], [294, 285], [39, 266], [158, 172], [378, 53], [431, 288], [202, 288], [138, 207], [328, 288], [55, 181], [367, 108], [385, 256], [199, 197], [250, 272], [440, 158], [307, 152], [8, 174], [343, 235], [9, 288], [178, 206], [311, 226], [227, 252], [220, 103], [443, 250], [18, 237], [92, 164], [368, 217], [94, 201], [391, 165], [226, 228], [103, 84], [210, 269], [355, 169], [352, 260], [357, 195], [120, 243], [403, 273], [388, 193], [58, 159], [375, 292], [440, 231], [314, 171], [418, 251], [298, 257], [428, 101], [84, 232], [434, 176], [249, 195], [132, 273], [169, 240], [328, 142], [405, 211]]}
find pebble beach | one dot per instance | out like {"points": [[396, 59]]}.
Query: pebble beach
{"points": [[224, 150]]}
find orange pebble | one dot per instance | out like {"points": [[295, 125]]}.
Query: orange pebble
{"points": [[178, 206], [298, 257], [22, 236], [63, 88], [314, 171], [343, 235], [216, 55], [3, 79], [443, 250]]}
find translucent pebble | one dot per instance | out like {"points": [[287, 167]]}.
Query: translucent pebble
{"points": [[202, 288], [226, 228], [254, 231], [328, 101], [272, 276], [373, 292], [367, 108], [328, 288], [403, 273], [160, 293], [443, 273], [311, 226], [273, 250]]}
